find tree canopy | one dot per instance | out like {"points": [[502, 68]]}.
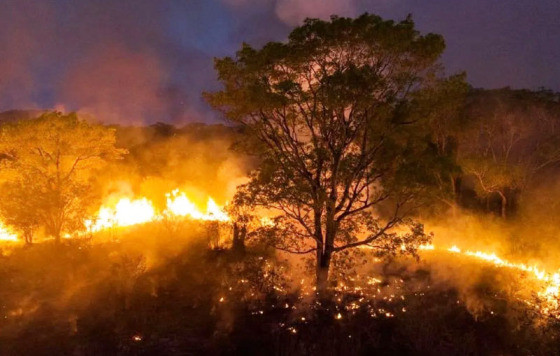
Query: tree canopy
{"points": [[49, 168]]}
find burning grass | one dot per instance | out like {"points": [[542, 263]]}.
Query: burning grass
{"points": [[128, 212]]}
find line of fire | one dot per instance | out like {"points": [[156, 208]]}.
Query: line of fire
{"points": [[356, 199]]}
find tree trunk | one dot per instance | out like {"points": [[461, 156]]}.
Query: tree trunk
{"points": [[455, 184], [239, 234], [213, 234], [235, 234], [56, 230], [57, 237], [322, 271], [504, 205], [28, 236]]}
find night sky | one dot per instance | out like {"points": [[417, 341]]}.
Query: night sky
{"points": [[143, 61]]}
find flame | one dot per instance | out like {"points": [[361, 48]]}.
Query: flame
{"points": [[129, 212], [267, 222], [178, 204], [550, 281], [125, 213], [214, 212], [454, 249], [6, 234]]}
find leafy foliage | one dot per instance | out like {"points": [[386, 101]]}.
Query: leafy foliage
{"points": [[49, 170], [330, 115]]}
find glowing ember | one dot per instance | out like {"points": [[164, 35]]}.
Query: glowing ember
{"points": [[338, 316]]}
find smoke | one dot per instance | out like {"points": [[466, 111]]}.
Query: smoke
{"points": [[293, 12], [113, 60], [197, 159], [116, 85]]}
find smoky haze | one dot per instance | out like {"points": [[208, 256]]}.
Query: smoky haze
{"points": [[139, 62]]}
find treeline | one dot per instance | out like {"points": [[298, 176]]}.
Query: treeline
{"points": [[489, 149], [495, 147]]}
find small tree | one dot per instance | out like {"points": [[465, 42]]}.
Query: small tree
{"points": [[328, 113], [441, 104], [49, 171]]}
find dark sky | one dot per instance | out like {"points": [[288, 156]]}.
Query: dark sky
{"points": [[143, 61]]}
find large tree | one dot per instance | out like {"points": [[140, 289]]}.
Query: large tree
{"points": [[49, 170], [329, 114]]}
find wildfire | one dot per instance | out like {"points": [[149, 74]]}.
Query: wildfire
{"points": [[267, 222], [129, 212]]}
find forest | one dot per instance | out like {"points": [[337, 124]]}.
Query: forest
{"points": [[356, 200]]}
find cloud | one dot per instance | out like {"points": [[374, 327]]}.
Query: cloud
{"points": [[293, 12]]}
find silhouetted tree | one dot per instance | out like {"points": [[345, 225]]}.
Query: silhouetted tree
{"points": [[329, 114]]}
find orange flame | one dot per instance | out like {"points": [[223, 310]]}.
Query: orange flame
{"points": [[550, 281], [129, 212], [125, 213], [178, 204]]}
